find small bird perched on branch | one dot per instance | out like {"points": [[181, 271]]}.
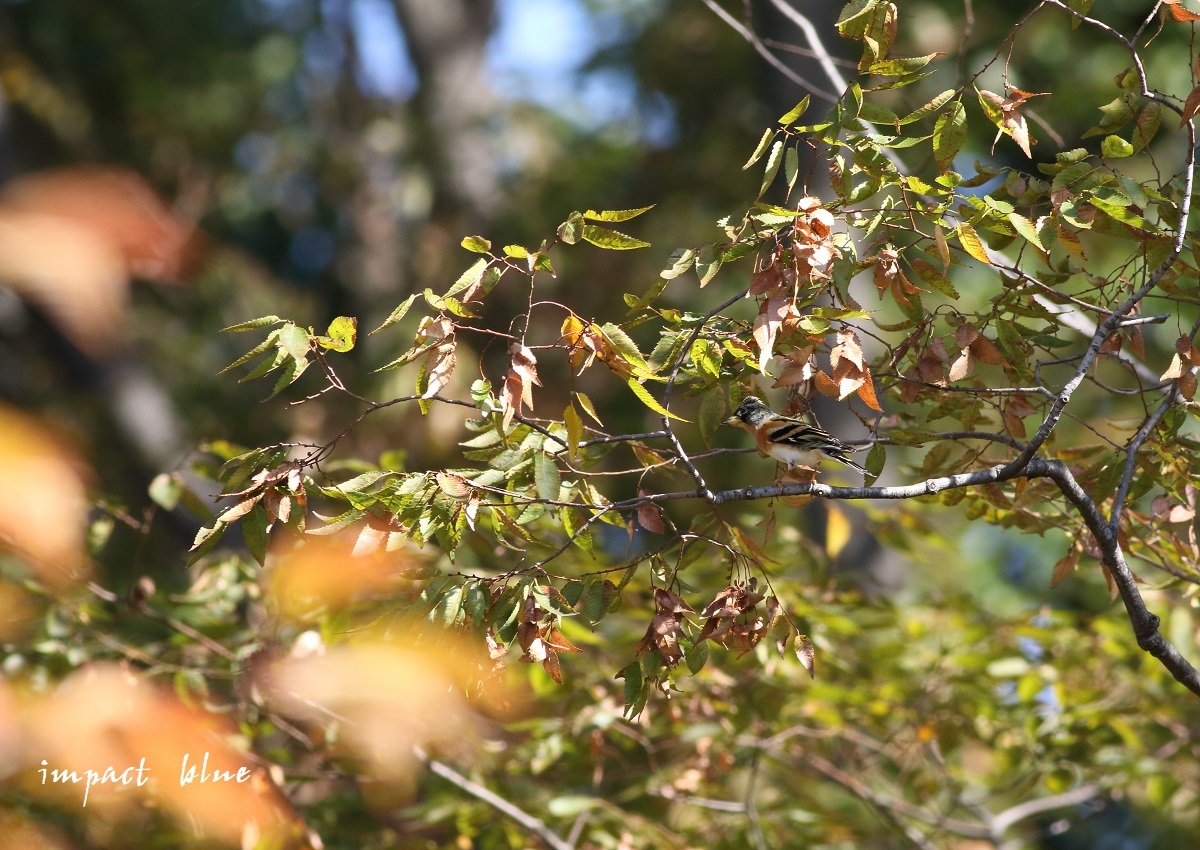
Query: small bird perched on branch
{"points": [[789, 441]]}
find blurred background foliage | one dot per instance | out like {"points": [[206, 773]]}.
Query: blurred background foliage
{"points": [[332, 154]]}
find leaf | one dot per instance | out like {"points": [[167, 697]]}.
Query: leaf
{"points": [[772, 167], [1114, 147], [1147, 124], [441, 362], [612, 240], [787, 119], [708, 262], [477, 244], [166, 490], [1191, 105], [616, 215], [929, 108], [1082, 7], [1178, 13], [680, 261], [468, 281], [255, 533], [949, 135], [571, 229], [396, 315], [586, 403], [971, 243], [712, 413], [546, 476], [791, 166], [252, 324], [650, 401], [767, 135], [807, 654], [1065, 566], [837, 531], [341, 335], [295, 340], [574, 431], [1026, 228]]}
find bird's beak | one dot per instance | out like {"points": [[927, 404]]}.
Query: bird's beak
{"points": [[732, 422]]}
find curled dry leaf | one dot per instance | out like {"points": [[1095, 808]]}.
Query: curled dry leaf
{"points": [[1011, 120], [517, 392]]}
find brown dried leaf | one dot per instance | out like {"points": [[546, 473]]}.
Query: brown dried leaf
{"points": [[442, 360], [1174, 371], [985, 351], [1065, 566], [961, 367], [866, 393], [848, 347], [766, 327], [1192, 104], [1187, 385], [672, 602], [1178, 13], [648, 515]]}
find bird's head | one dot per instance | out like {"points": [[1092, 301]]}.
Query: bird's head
{"points": [[750, 412]]}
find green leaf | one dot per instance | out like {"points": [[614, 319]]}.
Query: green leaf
{"points": [[574, 430], [1114, 147], [929, 108], [626, 347], [949, 135], [517, 252], [791, 166], [166, 490], [696, 656], [680, 262], [1025, 227], [767, 135], [468, 278], [1080, 6], [1120, 212], [206, 539], [292, 370], [712, 413], [1114, 115], [787, 119], [477, 244], [571, 230], [706, 355], [476, 602], [650, 401], [616, 215], [708, 262], [397, 314], [772, 167], [546, 476], [254, 532], [633, 685], [612, 240], [252, 324], [901, 67], [341, 335], [295, 341], [262, 348], [1147, 124]]}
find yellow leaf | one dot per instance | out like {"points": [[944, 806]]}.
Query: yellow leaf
{"points": [[971, 242], [837, 531]]}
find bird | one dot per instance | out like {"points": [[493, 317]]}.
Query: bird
{"points": [[788, 440]]}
